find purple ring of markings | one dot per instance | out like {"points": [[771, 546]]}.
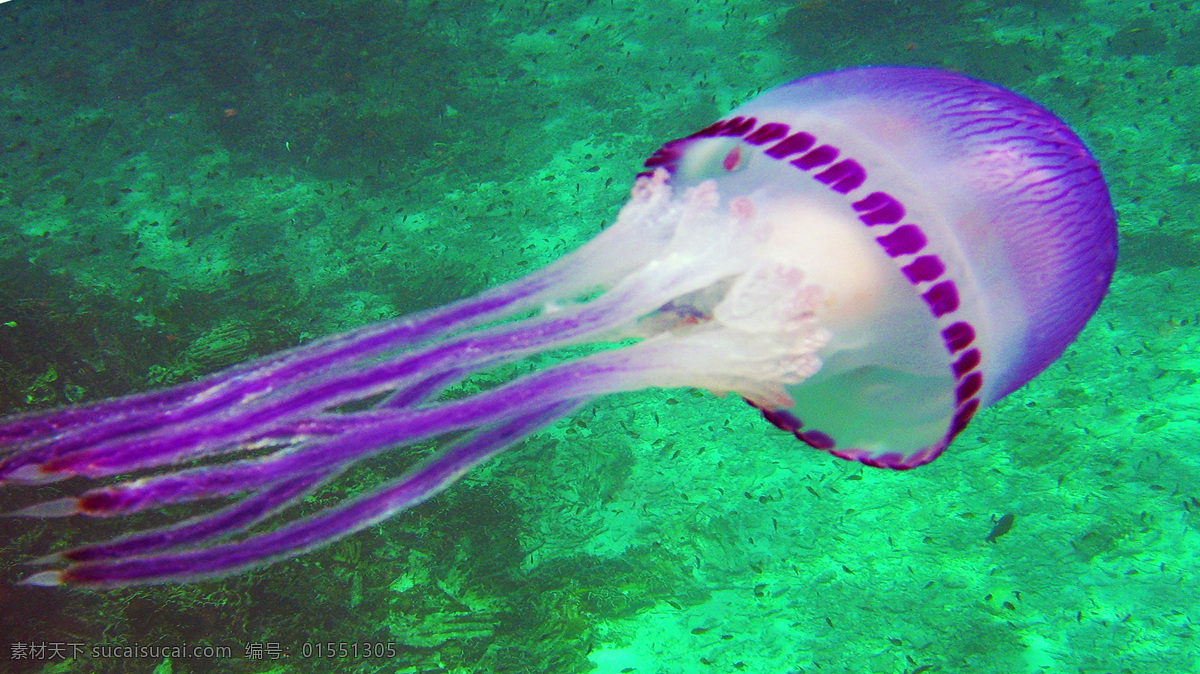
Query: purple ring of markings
{"points": [[902, 243]]}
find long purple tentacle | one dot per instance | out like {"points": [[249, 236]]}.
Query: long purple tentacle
{"points": [[364, 434], [133, 496], [132, 414], [249, 422], [421, 483], [228, 520], [267, 501]]}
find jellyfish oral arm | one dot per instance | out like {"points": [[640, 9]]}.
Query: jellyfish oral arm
{"points": [[681, 276]]}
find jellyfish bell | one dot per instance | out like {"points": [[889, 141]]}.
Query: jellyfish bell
{"points": [[868, 256], [962, 233]]}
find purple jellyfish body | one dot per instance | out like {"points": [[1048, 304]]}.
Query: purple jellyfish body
{"points": [[867, 256]]}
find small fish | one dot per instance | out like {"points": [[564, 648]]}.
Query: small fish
{"points": [[1003, 526]]}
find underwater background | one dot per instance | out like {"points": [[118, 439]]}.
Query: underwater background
{"points": [[184, 185]]}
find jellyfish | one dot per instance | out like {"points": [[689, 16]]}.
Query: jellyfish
{"points": [[867, 256]]}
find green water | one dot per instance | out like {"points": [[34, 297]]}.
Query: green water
{"points": [[187, 184]]}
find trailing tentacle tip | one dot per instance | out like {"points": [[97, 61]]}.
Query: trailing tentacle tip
{"points": [[62, 507], [31, 475], [45, 579]]}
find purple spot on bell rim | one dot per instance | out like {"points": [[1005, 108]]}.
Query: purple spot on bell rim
{"points": [[816, 439], [662, 157], [783, 420], [879, 208], [924, 269], [962, 418], [737, 126], [767, 133], [969, 361], [797, 142], [942, 298], [844, 176], [958, 336], [890, 459], [969, 386], [818, 157], [904, 240]]}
